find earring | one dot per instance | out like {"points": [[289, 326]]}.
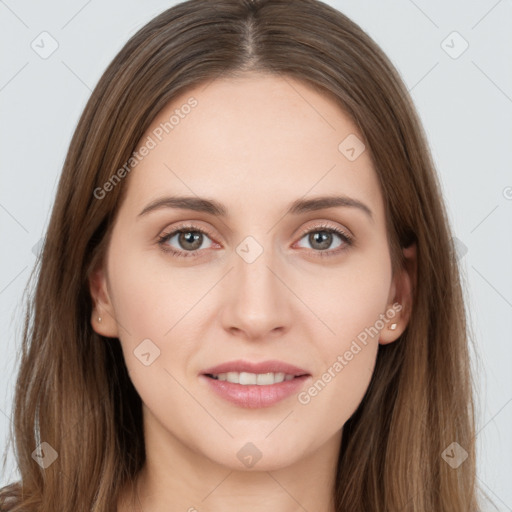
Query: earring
{"points": [[392, 327], [99, 319]]}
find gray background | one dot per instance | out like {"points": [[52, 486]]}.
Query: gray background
{"points": [[464, 101]]}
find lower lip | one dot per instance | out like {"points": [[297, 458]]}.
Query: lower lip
{"points": [[253, 396]]}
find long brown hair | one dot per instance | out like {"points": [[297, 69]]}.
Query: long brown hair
{"points": [[73, 390]]}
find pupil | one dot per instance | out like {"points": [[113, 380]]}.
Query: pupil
{"points": [[323, 238], [191, 237]]}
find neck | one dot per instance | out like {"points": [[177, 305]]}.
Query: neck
{"points": [[175, 478]]}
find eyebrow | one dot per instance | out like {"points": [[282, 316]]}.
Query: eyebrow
{"points": [[213, 207]]}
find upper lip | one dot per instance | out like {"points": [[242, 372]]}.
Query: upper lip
{"points": [[272, 366]]}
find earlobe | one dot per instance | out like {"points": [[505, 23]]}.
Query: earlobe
{"points": [[401, 298], [103, 319]]}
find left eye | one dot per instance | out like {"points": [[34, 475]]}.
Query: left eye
{"points": [[322, 238]]}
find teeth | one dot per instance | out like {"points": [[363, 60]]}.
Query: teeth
{"points": [[260, 379]]}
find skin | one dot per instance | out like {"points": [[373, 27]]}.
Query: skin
{"points": [[255, 144]]}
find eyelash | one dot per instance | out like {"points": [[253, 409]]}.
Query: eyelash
{"points": [[165, 237]]}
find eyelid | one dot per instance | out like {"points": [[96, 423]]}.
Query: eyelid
{"points": [[191, 226], [327, 225], [182, 226], [348, 240]]}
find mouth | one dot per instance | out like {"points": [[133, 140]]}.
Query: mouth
{"points": [[258, 379], [255, 385], [264, 373]]}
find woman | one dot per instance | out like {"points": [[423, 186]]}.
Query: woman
{"points": [[247, 297]]}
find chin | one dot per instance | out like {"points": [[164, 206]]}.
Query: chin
{"points": [[257, 453]]}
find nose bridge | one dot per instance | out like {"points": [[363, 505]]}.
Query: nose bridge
{"points": [[253, 262], [257, 303]]}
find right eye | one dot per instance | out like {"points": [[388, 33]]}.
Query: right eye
{"points": [[189, 237]]}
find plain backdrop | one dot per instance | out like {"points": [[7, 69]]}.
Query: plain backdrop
{"points": [[456, 60]]}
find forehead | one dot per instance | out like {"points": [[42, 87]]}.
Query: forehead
{"points": [[252, 140]]}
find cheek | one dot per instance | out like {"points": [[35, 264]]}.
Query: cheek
{"points": [[159, 315], [349, 300], [151, 312], [150, 296], [351, 307]]}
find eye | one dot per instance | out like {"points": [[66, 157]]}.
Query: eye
{"points": [[189, 239], [321, 238]]}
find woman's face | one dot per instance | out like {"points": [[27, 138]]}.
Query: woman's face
{"points": [[259, 274]]}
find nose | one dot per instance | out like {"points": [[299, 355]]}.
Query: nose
{"points": [[258, 302]]}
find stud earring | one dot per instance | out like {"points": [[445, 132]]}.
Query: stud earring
{"points": [[392, 327], [99, 319]]}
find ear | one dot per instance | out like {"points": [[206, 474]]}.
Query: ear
{"points": [[102, 304], [399, 309]]}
